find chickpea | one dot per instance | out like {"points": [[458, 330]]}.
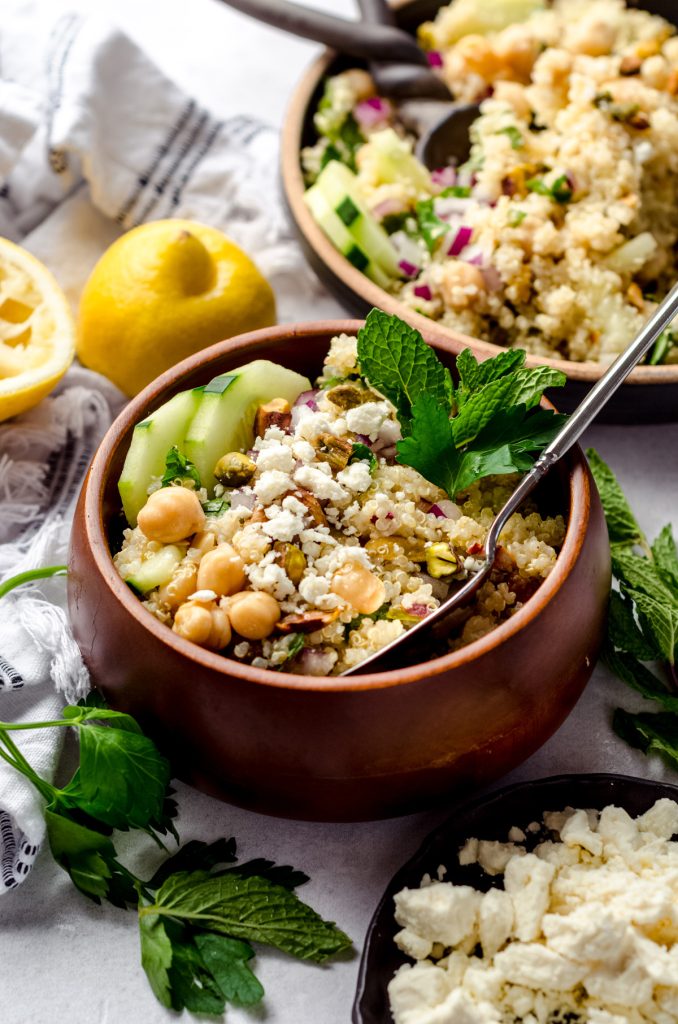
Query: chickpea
{"points": [[193, 622], [171, 514], [180, 587], [203, 624], [361, 588], [221, 570], [253, 614], [220, 633], [202, 543]]}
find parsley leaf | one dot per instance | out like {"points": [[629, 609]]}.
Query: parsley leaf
{"points": [[516, 217], [179, 469], [432, 228], [360, 452], [215, 507], [399, 364], [515, 136], [560, 191], [621, 522]]}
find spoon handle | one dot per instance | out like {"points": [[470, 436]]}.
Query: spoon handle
{"points": [[359, 39]]}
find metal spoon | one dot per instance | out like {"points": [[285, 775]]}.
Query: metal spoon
{"points": [[570, 433], [399, 67]]}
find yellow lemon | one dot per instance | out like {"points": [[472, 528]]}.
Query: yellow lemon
{"points": [[160, 293], [37, 333]]}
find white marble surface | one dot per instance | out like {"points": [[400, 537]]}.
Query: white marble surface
{"points": [[66, 961]]}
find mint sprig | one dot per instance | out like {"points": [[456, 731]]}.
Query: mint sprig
{"points": [[642, 632], [489, 425]]}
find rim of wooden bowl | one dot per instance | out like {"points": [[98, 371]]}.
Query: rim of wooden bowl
{"points": [[358, 283], [578, 515]]}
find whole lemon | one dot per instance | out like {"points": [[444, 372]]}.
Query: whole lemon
{"points": [[160, 293]]}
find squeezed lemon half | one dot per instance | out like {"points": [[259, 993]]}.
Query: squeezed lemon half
{"points": [[37, 332]]}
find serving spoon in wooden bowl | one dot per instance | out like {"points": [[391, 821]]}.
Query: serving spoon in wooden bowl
{"points": [[399, 67], [570, 433]]}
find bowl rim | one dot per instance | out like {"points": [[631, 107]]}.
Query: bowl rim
{"points": [[95, 536], [293, 184]]}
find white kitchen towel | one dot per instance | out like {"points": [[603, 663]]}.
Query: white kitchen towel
{"points": [[95, 139]]}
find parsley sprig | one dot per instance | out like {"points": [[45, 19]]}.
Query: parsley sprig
{"points": [[642, 628], [490, 424], [201, 910]]}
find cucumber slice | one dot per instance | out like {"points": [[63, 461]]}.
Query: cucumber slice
{"points": [[224, 419], [151, 441], [156, 570], [395, 162], [340, 187], [339, 235]]}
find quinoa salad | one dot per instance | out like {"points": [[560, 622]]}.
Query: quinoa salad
{"points": [[315, 548], [559, 234]]}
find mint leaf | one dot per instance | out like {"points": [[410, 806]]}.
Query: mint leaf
{"points": [[479, 409], [179, 469], [226, 960], [624, 632], [638, 677], [280, 874], [215, 507], [530, 384], [360, 452], [250, 908], [621, 522], [399, 364], [651, 733], [156, 956], [474, 375], [195, 856], [666, 559], [656, 607]]}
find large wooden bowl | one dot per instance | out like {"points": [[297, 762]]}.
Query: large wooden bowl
{"points": [[332, 748], [651, 392]]}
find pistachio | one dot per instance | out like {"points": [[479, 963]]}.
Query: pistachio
{"points": [[293, 560], [441, 561], [402, 615], [306, 622], [348, 396], [276, 413], [334, 450], [234, 469]]}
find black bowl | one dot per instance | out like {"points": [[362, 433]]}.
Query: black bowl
{"points": [[491, 817]]}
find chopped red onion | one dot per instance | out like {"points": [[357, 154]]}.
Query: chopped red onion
{"points": [[364, 439], [508, 186], [408, 269], [437, 512], [434, 58], [447, 206], [460, 240], [372, 111], [445, 177], [473, 254], [242, 499], [308, 398], [422, 291], [449, 509]]}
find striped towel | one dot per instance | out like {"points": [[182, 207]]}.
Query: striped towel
{"points": [[95, 139]]}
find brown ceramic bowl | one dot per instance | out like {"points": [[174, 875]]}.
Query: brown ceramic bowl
{"points": [[651, 392], [335, 748]]}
